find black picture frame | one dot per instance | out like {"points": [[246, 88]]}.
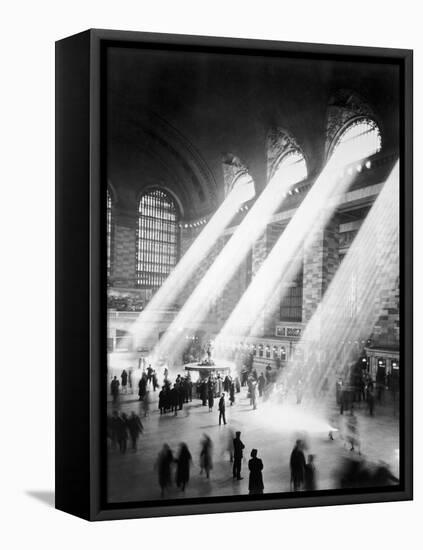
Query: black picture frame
{"points": [[81, 273]]}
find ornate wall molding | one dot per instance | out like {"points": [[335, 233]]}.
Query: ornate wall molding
{"points": [[344, 107], [279, 143]]}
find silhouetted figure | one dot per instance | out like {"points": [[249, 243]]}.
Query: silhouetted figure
{"points": [[142, 386], [352, 432], [182, 470], [155, 381], [164, 462], [222, 409], [135, 428], [297, 464], [124, 378], [210, 400], [146, 404], [206, 461], [130, 380], [232, 393], [114, 389], [203, 392], [122, 432], [255, 483], [310, 474], [261, 384], [370, 396], [238, 448]]}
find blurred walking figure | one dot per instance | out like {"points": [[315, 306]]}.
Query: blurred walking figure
{"points": [[352, 432], [230, 444], [124, 378], [122, 431], [182, 470], [222, 410], [210, 400], [255, 483], [261, 384], [112, 429], [232, 393], [297, 465], [114, 389], [135, 428], [253, 396], [146, 404], [164, 462], [370, 398], [130, 380], [238, 448], [310, 474], [206, 461]]}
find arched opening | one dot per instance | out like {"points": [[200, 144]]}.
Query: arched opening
{"points": [[361, 135], [158, 238], [244, 188]]}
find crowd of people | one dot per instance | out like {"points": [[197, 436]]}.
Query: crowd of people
{"points": [[176, 466]]}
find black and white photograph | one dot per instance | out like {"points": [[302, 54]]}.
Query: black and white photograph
{"points": [[211, 265], [253, 275]]}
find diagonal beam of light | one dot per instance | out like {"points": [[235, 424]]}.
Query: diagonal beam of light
{"points": [[145, 326], [331, 329], [227, 262], [310, 218]]}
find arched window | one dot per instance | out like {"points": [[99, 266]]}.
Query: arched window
{"points": [[109, 232], [291, 165], [158, 238], [362, 136], [243, 186]]}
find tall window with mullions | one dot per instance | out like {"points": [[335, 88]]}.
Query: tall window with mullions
{"points": [[109, 232], [158, 238], [291, 307]]}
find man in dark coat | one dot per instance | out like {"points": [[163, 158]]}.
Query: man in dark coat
{"points": [[297, 463], [114, 389], [121, 431], [163, 465], [183, 465], [238, 448], [222, 410], [255, 465], [142, 385], [135, 428], [124, 378]]}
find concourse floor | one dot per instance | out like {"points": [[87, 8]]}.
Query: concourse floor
{"points": [[272, 429]]}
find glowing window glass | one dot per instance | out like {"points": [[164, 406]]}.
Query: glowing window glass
{"points": [[362, 137], [109, 231], [158, 238]]}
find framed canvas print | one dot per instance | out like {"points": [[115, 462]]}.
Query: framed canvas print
{"points": [[234, 275]]}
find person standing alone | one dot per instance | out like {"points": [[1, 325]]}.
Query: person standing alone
{"points": [[238, 448], [222, 410]]}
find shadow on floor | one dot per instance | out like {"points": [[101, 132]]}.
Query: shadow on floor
{"points": [[46, 497]]}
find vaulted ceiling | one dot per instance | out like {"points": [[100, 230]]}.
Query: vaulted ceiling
{"points": [[173, 115]]}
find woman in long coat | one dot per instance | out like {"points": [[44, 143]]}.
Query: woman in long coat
{"points": [[206, 460], [297, 463], [255, 465], [164, 462], [182, 470]]}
